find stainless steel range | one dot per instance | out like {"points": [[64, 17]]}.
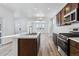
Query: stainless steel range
{"points": [[63, 43]]}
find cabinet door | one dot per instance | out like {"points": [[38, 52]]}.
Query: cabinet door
{"points": [[62, 16], [74, 51], [67, 8], [57, 19], [60, 20], [27, 47], [74, 6], [74, 48], [55, 39], [74, 43]]}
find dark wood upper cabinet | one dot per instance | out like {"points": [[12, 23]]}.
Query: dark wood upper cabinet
{"points": [[74, 6], [62, 18], [58, 18], [67, 8]]}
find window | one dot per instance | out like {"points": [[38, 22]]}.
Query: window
{"points": [[40, 26]]}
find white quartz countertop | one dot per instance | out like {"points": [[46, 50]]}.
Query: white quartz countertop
{"points": [[74, 39], [20, 36], [27, 36]]}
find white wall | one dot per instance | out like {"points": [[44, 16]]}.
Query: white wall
{"points": [[63, 29], [6, 18], [25, 23], [20, 23], [7, 26]]}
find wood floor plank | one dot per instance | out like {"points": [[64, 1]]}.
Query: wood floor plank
{"points": [[47, 47]]}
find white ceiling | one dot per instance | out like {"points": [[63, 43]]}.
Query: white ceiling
{"points": [[31, 10]]}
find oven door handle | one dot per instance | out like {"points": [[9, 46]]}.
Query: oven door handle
{"points": [[61, 39]]}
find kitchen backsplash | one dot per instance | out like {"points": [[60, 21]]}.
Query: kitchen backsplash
{"points": [[63, 29]]}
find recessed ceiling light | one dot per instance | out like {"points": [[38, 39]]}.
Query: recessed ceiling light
{"points": [[48, 8]]}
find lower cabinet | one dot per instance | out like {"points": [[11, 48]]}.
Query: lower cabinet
{"points": [[27, 47], [74, 48], [55, 39]]}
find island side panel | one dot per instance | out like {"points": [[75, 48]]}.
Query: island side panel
{"points": [[27, 47]]}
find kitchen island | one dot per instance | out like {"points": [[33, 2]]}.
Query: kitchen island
{"points": [[23, 44], [28, 45]]}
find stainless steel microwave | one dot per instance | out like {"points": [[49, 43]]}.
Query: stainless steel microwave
{"points": [[72, 16]]}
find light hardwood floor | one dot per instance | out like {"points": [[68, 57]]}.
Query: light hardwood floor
{"points": [[47, 47]]}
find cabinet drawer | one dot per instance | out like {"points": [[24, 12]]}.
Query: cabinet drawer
{"points": [[74, 44]]}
